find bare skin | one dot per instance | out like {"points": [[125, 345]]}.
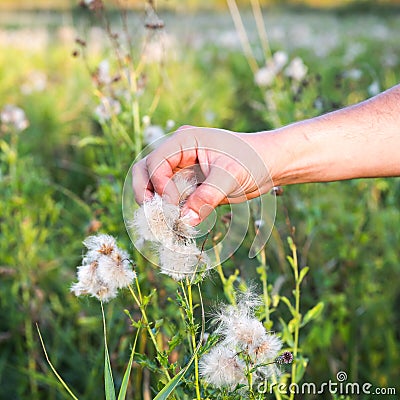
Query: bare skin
{"points": [[360, 141]]}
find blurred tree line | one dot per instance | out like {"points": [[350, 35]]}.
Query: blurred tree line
{"points": [[193, 4]]}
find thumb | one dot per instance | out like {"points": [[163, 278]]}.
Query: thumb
{"points": [[212, 192]]}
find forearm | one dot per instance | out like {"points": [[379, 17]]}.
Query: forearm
{"points": [[356, 142]]}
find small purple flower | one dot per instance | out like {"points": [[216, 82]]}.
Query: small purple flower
{"points": [[285, 358]]}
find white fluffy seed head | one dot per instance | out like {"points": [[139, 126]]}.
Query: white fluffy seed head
{"points": [[246, 333], [242, 331], [267, 349], [101, 243], [155, 219], [182, 260], [173, 239], [186, 183], [105, 268], [116, 270], [233, 320], [221, 367]]}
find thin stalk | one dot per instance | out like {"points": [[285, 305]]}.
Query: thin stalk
{"points": [[29, 343], [249, 376], [138, 139], [250, 383], [52, 367], [276, 390], [138, 301], [264, 280], [225, 283], [241, 30], [14, 162], [297, 308], [262, 33], [194, 344], [181, 309]]}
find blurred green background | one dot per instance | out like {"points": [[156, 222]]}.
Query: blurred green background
{"points": [[61, 178]]}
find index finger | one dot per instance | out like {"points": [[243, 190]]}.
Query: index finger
{"points": [[178, 152], [142, 187]]}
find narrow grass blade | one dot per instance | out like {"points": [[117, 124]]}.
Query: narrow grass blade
{"points": [[108, 378], [173, 383], [66, 387], [125, 380]]}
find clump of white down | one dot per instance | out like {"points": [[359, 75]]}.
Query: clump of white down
{"points": [[105, 269], [174, 240], [242, 336]]}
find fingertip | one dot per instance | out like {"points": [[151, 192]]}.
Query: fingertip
{"points": [[171, 193], [190, 216]]}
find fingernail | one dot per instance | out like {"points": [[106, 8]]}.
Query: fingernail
{"points": [[191, 217]]}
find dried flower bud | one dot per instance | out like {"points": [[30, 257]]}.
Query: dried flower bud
{"points": [[285, 358], [277, 190]]}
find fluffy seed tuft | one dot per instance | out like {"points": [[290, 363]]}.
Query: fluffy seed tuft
{"points": [[174, 241], [105, 269]]}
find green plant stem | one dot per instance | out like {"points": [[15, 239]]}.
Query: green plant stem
{"points": [[298, 316], [14, 161], [226, 284], [250, 384], [276, 389], [264, 280], [193, 334], [66, 387], [138, 300], [29, 342], [249, 376], [138, 139]]}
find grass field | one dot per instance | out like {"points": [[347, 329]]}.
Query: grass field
{"points": [[61, 180]]}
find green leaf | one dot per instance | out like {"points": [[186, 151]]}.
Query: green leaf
{"points": [[287, 336], [158, 323], [291, 261], [300, 368], [146, 299], [294, 322], [275, 300], [108, 378], [175, 340], [171, 385], [91, 140], [313, 313], [125, 379], [291, 308], [291, 243], [303, 273]]}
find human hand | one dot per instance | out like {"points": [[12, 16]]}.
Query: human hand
{"points": [[231, 170]]}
